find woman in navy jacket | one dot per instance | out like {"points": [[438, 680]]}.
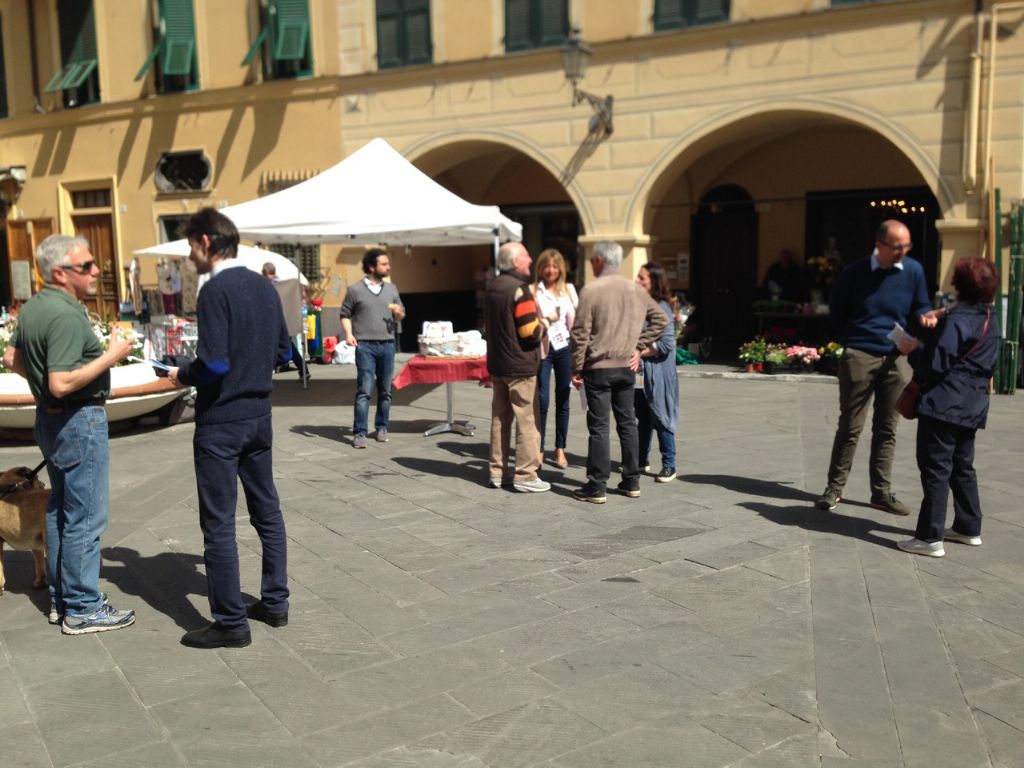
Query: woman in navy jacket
{"points": [[953, 367]]}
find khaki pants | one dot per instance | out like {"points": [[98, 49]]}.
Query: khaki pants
{"points": [[862, 376], [514, 399]]}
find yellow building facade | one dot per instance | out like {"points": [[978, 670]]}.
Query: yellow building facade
{"points": [[738, 129]]}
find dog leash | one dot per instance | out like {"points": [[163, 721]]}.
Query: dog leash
{"points": [[7, 490]]}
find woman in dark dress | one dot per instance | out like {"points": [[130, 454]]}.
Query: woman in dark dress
{"points": [[953, 367]]}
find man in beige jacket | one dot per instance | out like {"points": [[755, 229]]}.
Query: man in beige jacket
{"points": [[616, 320]]}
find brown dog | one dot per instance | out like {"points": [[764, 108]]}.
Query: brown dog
{"points": [[23, 519]]}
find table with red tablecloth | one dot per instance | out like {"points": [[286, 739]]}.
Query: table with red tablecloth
{"points": [[444, 370]]}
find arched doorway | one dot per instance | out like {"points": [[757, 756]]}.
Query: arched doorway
{"points": [[724, 239], [448, 283], [773, 181]]}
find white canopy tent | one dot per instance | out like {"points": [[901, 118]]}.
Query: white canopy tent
{"points": [[373, 196], [253, 258]]}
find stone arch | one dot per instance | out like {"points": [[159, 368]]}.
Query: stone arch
{"points": [[436, 143], [732, 124]]}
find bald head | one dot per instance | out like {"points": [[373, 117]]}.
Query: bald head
{"points": [[893, 242], [513, 257]]}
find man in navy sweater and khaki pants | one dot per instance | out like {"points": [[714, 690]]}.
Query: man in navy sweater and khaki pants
{"points": [[242, 339], [870, 297]]}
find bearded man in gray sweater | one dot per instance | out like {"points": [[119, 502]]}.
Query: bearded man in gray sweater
{"points": [[369, 316]]}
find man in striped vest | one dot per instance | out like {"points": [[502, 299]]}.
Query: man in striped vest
{"points": [[514, 333]]}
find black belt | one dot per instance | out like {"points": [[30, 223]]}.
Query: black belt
{"points": [[72, 405]]}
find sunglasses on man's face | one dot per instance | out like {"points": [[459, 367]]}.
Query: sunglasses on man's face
{"points": [[83, 269]]}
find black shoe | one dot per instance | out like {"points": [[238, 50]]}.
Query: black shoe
{"points": [[590, 492], [258, 611], [630, 488], [667, 475], [215, 636]]}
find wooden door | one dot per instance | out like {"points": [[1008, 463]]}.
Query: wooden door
{"points": [[98, 229], [23, 236], [724, 241]]}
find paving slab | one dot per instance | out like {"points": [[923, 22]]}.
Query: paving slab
{"points": [[719, 620]]}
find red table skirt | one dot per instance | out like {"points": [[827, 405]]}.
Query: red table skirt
{"points": [[441, 370]]}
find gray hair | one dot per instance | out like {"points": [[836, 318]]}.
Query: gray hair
{"points": [[54, 252], [610, 253], [507, 256]]}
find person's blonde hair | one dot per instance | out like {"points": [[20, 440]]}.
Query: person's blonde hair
{"points": [[552, 254]]}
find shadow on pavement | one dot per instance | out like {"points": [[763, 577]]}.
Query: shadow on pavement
{"points": [[163, 581], [752, 486], [811, 519], [469, 470]]}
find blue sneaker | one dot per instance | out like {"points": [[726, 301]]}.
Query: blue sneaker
{"points": [[104, 619], [55, 616]]}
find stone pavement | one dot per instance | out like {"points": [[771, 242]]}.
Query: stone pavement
{"points": [[716, 621]]}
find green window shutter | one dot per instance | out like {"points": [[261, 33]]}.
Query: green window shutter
{"points": [[668, 14], [553, 16], [672, 14], [255, 47], [417, 32], [77, 74], [179, 37], [517, 25], [403, 33], [77, 27], [291, 29], [709, 11], [389, 19], [150, 59]]}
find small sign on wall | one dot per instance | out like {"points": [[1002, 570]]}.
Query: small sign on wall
{"points": [[683, 269], [21, 280]]}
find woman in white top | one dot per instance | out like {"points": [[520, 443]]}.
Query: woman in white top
{"points": [[556, 303]]}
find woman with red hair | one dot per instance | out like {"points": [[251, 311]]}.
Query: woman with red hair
{"points": [[953, 367]]}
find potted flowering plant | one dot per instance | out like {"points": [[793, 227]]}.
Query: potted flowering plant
{"points": [[802, 357], [752, 353], [775, 358], [829, 355]]}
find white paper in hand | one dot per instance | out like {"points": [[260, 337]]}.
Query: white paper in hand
{"points": [[900, 337]]}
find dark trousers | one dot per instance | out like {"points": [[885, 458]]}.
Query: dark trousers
{"points": [[559, 361], [225, 454], [863, 376], [945, 456], [610, 390]]}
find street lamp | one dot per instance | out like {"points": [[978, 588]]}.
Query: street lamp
{"points": [[575, 57]]}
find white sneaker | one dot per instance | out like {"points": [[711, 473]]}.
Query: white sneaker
{"points": [[918, 547], [531, 486], [970, 541]]}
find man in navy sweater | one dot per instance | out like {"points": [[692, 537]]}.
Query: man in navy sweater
{"points": [[871, 296], [242, 339]]}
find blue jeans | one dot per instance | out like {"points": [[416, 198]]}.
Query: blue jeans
{"points": [[375, 364], [561, 361], [74, 444], [224, 454], [647, 426]]}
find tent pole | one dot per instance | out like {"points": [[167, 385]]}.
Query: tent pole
{"points": [[497, 245]]}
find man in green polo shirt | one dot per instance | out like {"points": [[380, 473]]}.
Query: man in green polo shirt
{"points": [[54, 347]]}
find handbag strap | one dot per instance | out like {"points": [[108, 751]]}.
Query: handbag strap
{"points": [[984, 330]]}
